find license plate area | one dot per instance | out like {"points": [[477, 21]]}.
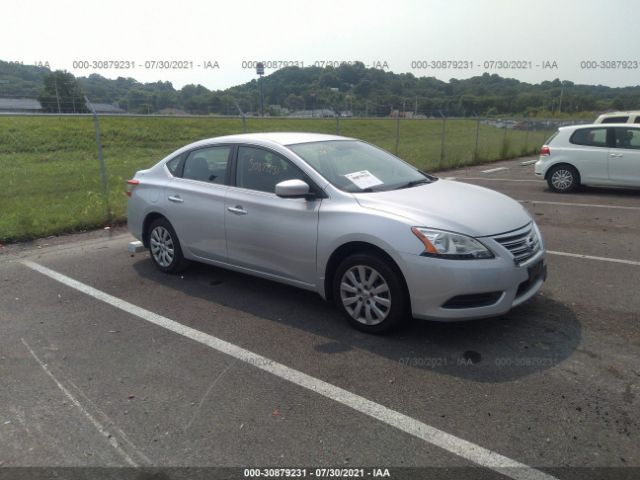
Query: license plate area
{"points": [[536, 271]]}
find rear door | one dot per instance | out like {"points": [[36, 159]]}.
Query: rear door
{"points": [[624, 157], [588, 151], [194, 201], [266, 233]]}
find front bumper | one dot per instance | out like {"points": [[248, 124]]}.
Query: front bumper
{"points": [[448, 290]]}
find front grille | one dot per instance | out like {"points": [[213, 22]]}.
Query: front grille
{"points": [[523, 243]]}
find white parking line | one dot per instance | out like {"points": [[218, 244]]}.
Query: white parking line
{"points": [[98, 426], [590, 257], [569, 204], [528, 162], [492, 170], [501, 179], [458, 446]]}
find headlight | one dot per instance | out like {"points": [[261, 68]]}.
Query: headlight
{"points": [[439, 243]]}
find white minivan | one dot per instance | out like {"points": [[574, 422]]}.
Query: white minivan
{"points": [[597, 154], [619, 117]]}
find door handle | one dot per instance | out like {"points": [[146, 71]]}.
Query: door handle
{"points": [[238, 210], [617, 155], [176, 198]]}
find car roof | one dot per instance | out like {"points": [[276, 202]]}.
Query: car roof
{"points": [[271, 138], [599, 125], [621, 112]]}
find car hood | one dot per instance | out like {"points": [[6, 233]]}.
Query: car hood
{"points": [[449, 205]]}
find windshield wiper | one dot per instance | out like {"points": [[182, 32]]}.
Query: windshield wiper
{"points": [[413, 183]]}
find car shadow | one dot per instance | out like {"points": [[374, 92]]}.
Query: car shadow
{"points": [[532, 337], [609, 192]]}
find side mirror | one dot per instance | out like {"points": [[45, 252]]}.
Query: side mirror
{"points": [[292, 189]]}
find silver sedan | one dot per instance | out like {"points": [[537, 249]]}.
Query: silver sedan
{"points": [[343, 218]]}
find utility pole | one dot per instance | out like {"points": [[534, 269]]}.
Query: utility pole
{"points": [[260, 72]]}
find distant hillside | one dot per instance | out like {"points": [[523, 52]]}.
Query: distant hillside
{"points": [[18, 80], [348, 88]]}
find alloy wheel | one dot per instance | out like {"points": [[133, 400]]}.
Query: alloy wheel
{"points": [[365, 295], [562, 179], [162, 247]]}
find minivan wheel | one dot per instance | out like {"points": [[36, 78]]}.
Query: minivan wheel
{"points": [[370, 293], [165, 247], [563, 179]]}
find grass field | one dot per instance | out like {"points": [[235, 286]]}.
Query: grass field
{"points": [[50, 175]]}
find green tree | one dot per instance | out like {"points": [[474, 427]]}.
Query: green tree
{"points": [[294, 102], [62, 94]]}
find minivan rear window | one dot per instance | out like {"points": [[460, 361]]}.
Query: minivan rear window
{"points": [[591, 137], [615, 120]]}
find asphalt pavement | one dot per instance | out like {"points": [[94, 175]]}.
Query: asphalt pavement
{"points": [[129, 367]]}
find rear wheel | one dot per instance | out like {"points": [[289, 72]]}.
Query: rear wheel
{"points": [[370, 293], [165, 247], [563, 178]]}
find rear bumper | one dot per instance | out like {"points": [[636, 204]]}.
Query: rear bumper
{"points": [[540, 168], [449, 290]]}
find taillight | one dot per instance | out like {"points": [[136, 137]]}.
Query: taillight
{"points": [[131, 184], [545, 150]]}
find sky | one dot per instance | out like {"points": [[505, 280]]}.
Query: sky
{"points": [[537, 40]]}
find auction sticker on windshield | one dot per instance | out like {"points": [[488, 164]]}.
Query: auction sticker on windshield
{"points": [[364, 179]]}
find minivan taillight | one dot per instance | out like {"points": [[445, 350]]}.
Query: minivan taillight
{"points": [[131, 184], [545, 150]]}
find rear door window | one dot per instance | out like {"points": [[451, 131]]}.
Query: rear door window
{"points": [[591, 137], [207, 164]]}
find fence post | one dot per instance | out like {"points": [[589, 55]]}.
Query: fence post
{"points": [[397, 132], [242, 115], [505, 146], [442, 135], [475, 149], [526, 135], [338, 124], [103, 170]]}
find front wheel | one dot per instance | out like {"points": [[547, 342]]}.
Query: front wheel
{"points": [[563, 179], [370, 293]]}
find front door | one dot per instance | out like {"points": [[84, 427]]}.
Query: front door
{"points": [[266, 233], [624, 158]]}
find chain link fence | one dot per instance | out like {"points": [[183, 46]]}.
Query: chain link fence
{"points": [[63, 173]]}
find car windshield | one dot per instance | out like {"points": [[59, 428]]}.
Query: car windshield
{"points": [[355, 166]]}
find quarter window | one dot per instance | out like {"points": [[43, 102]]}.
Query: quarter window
{"points": [[174, 164], [207, 164], [261, 170], [591, 137]]}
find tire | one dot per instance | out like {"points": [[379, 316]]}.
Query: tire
{"points": [[563, 178], [373, 310], [164, 247]]}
